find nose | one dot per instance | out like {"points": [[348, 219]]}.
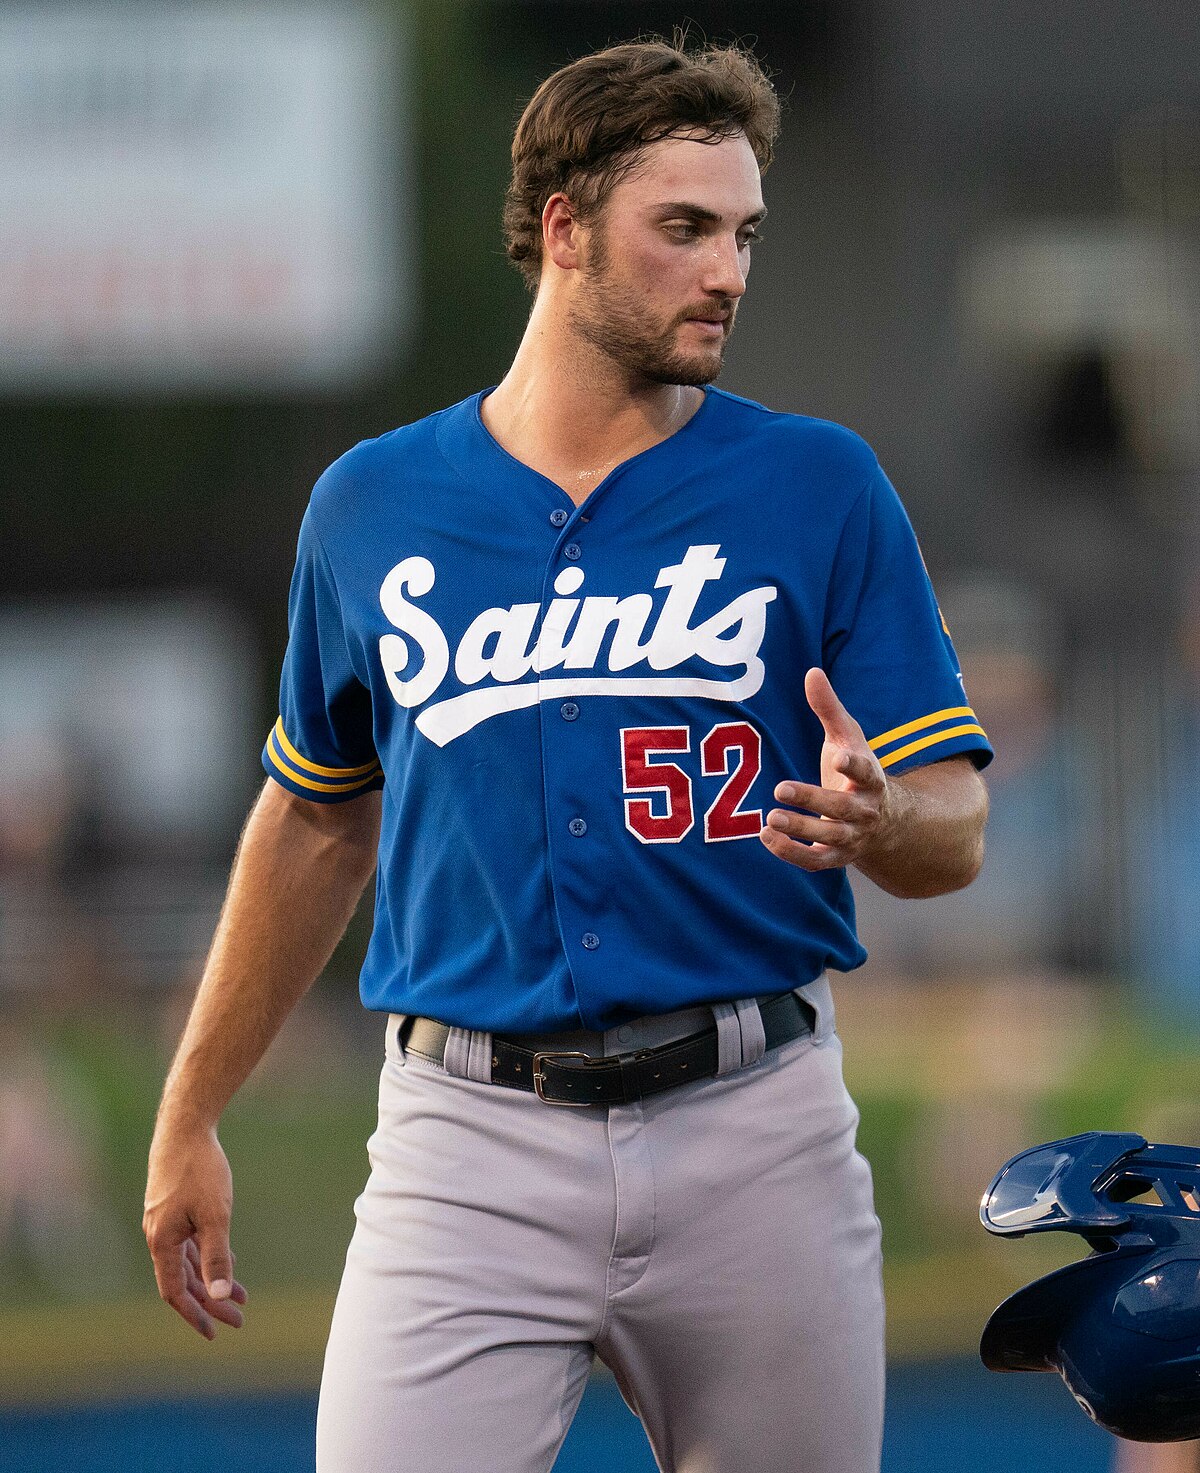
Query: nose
{"points": [[723, 274]]}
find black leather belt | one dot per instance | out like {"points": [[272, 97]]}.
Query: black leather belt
{"points": [[568, 1077]]}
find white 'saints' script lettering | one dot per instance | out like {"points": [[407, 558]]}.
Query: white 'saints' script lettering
{"points": [[506, 654]]}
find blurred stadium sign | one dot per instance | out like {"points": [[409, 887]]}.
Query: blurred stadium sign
{"points": [[199, 196]]}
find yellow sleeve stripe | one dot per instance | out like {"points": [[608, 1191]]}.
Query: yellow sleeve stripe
{"points": [[919, 725], [302, 762], [969, 728], [307, 782]]}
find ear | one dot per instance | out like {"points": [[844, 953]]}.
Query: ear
{"points": [[560, 233]]}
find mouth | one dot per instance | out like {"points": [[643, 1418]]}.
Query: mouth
{"points": [[709, 325]]}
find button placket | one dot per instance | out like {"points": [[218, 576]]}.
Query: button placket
{"points": [[574, 885]]}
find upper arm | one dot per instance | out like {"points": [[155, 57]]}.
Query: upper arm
{"points": [[322, 747], [886, 648]]}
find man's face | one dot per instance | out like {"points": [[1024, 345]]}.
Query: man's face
{"points": [[665, 263]]}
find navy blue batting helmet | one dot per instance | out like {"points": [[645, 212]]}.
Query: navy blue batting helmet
{"points": [[1122, 1326]]}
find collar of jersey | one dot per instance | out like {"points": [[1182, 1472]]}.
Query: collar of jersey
{"points": [[470, 446]]}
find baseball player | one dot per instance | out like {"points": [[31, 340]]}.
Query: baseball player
{"points": [[608, 675]]}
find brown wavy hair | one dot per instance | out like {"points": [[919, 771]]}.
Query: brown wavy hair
{"points": [[586, 125]]}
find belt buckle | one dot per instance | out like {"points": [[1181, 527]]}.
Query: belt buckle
{"points": [[539, 1077]]}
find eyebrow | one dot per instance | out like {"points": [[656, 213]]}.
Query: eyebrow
{"points": [[708, 217]]}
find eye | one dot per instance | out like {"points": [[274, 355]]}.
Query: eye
{"points": [[747, 238], [682, 229]]}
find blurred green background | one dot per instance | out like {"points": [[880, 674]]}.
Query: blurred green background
{"points": [[983, 255], [948, 1080]]}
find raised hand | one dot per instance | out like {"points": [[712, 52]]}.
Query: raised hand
{"points": [[836, 824]]}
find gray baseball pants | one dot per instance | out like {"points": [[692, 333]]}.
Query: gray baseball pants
{"points": [[715, 1245]]}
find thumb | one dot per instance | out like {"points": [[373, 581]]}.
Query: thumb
{"points": [[839, 725], [216, 1261]]}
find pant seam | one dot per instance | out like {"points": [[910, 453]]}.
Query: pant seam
{"points": [[616, 1237]]}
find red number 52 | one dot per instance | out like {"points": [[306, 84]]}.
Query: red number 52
{"points": [[669, 815]]}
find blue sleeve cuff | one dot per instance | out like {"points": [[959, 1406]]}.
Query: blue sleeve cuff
{"points": [[945, 733], [311, 780]]}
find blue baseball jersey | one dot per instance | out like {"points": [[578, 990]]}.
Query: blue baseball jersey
{"points": [[578, 715]]}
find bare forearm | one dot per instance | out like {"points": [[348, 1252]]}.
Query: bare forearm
{"points": [[932, 840], [297, 878], [300, 870]]}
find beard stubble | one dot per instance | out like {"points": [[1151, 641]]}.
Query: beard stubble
{"points": [[614, 322]]}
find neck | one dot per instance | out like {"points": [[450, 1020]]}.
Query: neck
{"points": [[567, 409]]}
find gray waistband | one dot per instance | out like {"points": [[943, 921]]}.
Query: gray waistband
{"points": [[655, 1029]]}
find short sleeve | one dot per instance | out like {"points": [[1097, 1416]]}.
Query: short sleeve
{"points": [[887, 649], [321, 747]]}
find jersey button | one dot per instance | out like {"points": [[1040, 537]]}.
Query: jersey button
{"points": [[573, 551], [568, 711], [578, 827], [590, 940], [559, 517]]}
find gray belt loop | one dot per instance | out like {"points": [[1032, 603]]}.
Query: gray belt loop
{"points": [[729, 1037], [458, 1053], [819, 996], [753, 1036], [393, 1042], [479, 1058], [469, 1055]]}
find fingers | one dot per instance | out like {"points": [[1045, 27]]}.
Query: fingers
{"points": [[176, 1278], [808, 829], [180, 1277], [237, 1292], [861, 768], [225, 1310], [833, 825], [216, 1261], [831, 802], [809, 856], [167, 1255], [839, 725]]}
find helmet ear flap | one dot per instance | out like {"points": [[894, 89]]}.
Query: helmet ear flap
{"points": [[1023, 1332]]}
